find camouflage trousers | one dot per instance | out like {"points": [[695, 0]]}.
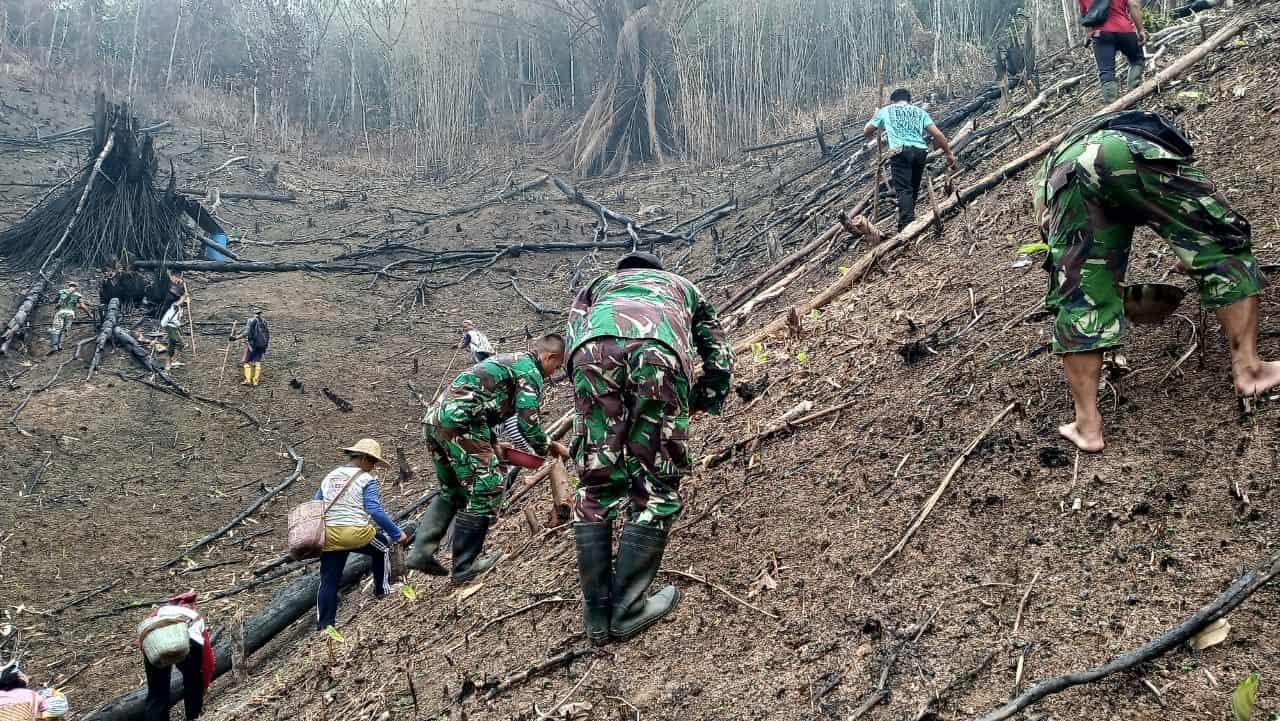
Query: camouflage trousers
{"points": [[466, 466], [1092, 218], [632, 423]]}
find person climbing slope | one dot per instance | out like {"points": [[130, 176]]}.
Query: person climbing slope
{"points": [[350, 526], [906, 125], [1121, 30], [1110, 175], [69, 301], [257, 337], [459, 431], [195, 665], [475, 342], [171, 323], [634, 336]]}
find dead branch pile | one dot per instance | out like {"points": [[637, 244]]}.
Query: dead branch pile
{"points": [[111, 211]]}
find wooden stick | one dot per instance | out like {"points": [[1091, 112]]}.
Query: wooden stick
{"points": [[1236, 594], [551, 711], [226, 356], [191, 320], [942, 488], [1022, 605], [705, 582]]}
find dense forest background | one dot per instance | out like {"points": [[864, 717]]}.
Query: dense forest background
{"points": [[438, 83]]}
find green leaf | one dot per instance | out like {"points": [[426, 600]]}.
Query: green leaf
{"points": [[844, 269], [1191, 94], [814, 314], [802, 356], [333, 634], [1244, 697], [1030, 248], [407, 591], [757, 350]]}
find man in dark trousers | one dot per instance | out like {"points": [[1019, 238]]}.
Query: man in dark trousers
{"points": [[257, 337], [906, 125], [1121, 32], [634, 338], [458, 430]]}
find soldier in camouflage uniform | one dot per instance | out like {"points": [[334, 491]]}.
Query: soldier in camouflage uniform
{"points": [[1093, 190], [634, 337], [459, 431]]}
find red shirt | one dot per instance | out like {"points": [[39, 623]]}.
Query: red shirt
{"points": [[1117, 18]]}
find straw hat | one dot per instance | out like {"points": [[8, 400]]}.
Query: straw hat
{"points": [[367, 447]]}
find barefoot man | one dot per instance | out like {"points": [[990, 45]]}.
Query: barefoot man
{"points": [[1093, 190]]}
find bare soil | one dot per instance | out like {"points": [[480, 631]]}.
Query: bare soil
{"points": [[1122, 546]]}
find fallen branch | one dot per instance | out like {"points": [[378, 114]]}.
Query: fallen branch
{"points": [[721, 589], [556, 661], [508, 194], [552, 711], [773, 430], [109, 321], [268, 197], [942, 488], [253, 507], [1236, 594], [29, 300]]}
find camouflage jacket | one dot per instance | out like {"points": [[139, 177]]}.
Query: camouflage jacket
{"points": [[1079, 157], [661, 306], [490, 392]]}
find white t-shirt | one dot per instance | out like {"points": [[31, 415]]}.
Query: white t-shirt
{"points": [[349, 510], [172, 317], [477, 342]]}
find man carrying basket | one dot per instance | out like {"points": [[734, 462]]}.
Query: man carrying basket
{"points": [[175, 636]]}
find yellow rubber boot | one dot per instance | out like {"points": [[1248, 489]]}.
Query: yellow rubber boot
{"points": [[257, 373], [248, 375]]}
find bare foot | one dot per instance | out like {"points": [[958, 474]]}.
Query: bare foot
{"points": [[1251, 382], [1087, 442]]}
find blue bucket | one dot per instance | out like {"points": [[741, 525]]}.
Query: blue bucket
{"points": [[220, 240]]}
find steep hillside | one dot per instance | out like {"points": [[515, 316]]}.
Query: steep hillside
{"points": [[1035, 562]]}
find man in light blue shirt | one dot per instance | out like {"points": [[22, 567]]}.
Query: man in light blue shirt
{"points": [[906, 125]]}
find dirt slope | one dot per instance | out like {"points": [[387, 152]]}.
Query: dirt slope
{"points": [[1122, 546]]}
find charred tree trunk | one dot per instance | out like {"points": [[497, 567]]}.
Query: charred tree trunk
{"points": [[14, 329], [631, 119], [109, 321], [141, 355]]}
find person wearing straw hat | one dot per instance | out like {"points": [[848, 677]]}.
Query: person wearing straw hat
{"points": [[458, 430], [355, 522]]}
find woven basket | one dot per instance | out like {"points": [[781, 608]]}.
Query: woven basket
{"points": [[18, 711], [166, 641]]}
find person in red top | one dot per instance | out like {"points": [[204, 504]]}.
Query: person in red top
{"points": [[196, 668], [1121, 32]]}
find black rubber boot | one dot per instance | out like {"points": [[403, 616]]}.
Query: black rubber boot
{"points": [[1110, 91], [639, 556], [469, 531], [431, 528], [595, 573]]}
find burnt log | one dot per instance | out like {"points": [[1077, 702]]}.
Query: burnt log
{"points": [[108, 328], [141, 355], [19, 319]]}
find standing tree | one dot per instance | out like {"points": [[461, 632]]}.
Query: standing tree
{"points": [[631, 117]]}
